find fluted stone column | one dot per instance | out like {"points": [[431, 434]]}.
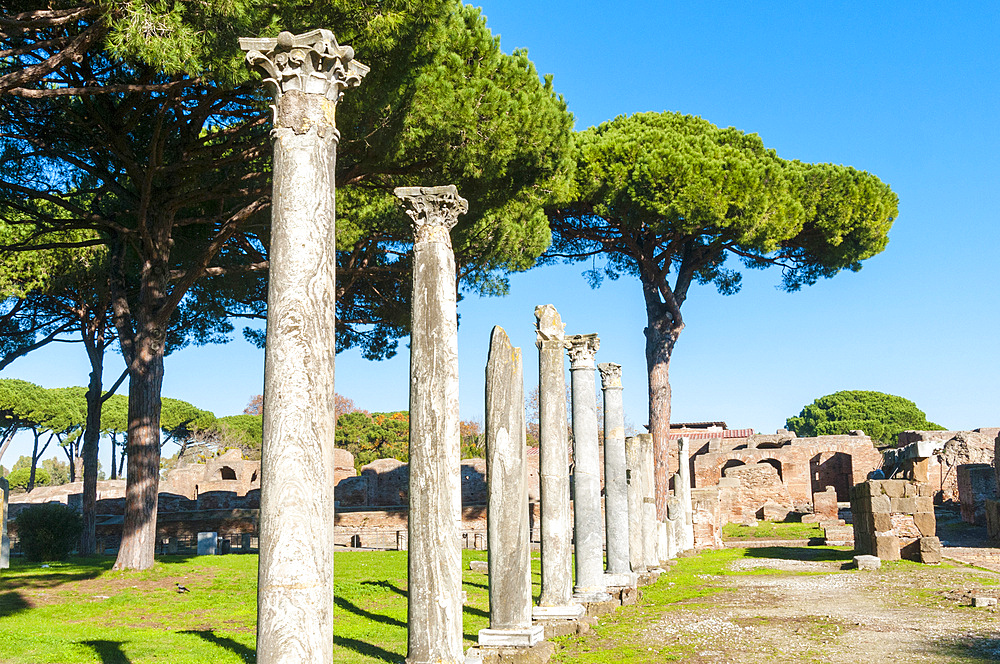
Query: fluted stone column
{"points": [[590, 585], [615, 485], [686, 540], [435, 516], [633, 474], [4, 538], [306, 75], [556, 600], [507, 508], [649, 521]]}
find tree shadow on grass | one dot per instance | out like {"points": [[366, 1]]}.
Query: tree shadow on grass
{"points": [[25, 574], [347, 605], [969, 648], [367, 649], [245, 653], [11, 603], [471, 610], [816, 554], [110, 652]]}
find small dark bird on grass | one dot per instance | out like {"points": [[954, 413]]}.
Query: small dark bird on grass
{"points": [[181, 589]]}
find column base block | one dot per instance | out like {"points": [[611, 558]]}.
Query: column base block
{"points": [[621, 580], [567, 612], [511, 638], [587, 595]]}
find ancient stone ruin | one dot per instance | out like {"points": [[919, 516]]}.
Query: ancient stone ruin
{"points": [[894, 519]]}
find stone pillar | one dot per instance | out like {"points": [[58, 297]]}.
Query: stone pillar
{"points": [[615, 487], [556, 598], [4, 538], [650, 532], [435, 516], [686, 540], [633, 474], [590, 585], [306, 75], [507, 507]]}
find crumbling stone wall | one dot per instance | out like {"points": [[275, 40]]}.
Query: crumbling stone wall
{"points": [[759, 484], [894, 519], [805, 465], [711, 507], [952, 449], [976, 484]]}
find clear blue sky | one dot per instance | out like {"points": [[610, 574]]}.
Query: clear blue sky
{"points": [[907, 91]]}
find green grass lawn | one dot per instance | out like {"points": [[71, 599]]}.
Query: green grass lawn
{"points": [[81, 611], [772, 530]]}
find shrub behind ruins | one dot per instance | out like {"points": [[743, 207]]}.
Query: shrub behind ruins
{"points": [[48, 531]]}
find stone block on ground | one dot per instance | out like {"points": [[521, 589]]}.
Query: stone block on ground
{"points": [[839, 535], [867, 562], [984, 601], [825, 503], [930, 550], [597, 609], [207, 542], [771, 511], [887, 547], [537, 654], [479, 566]]}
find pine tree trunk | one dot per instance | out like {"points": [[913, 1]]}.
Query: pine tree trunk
{"points": [[91, 438], [145, 381], [660, 341]]}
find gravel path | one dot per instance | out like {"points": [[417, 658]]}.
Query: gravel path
{"points": [[812, 611]]}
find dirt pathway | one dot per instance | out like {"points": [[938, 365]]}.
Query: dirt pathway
{"points": [[812, 611]]}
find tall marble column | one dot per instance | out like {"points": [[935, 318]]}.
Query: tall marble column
{"points": [[686, 540], [556, 600], [435, 554], [590, 585], [615, 486], [507, 507], [306, 75], [633, 474], [650, 532]]}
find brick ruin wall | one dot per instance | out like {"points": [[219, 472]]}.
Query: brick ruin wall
{"points": [[805, 465]]}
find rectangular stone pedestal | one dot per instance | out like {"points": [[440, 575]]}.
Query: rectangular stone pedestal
{"points": [[206, 543], [511, 638], [623, 580], [589, 595], [567, 612]]}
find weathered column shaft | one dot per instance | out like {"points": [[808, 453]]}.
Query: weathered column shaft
{"points": [[507, 508], [553, 452], [435, 555], [633, 473], [684, 493], [590, 586], [615, 485], [307, 74], [649, 521]]}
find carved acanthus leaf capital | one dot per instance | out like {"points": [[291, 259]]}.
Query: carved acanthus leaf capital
{"points": [[611, 375], [433, 210], [581, 349], [312, 63], [548, 325]]}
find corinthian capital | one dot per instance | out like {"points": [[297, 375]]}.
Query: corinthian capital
{"points": [[581, 349], [434, 211], [311, 63], [611, 375]]}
